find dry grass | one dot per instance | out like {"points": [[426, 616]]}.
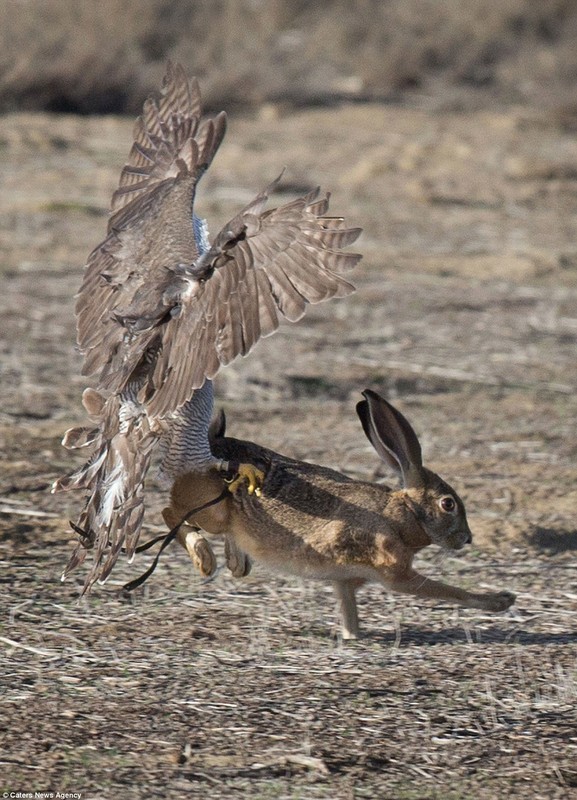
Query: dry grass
{"points": [[466, 314], [240, 690], [94, 57]]}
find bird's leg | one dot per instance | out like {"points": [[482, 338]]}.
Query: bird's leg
{"points": [[244, 473]]}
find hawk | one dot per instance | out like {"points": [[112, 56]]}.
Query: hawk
{"points": [[161, 309]]}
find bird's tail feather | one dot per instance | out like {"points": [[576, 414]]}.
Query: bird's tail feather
{"points": [[114, 476]]}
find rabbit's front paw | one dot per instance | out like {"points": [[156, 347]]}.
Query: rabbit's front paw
{"points": [[499, 601], [237, 561]]}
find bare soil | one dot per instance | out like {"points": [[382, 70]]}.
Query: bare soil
{"points": [[466, 316]]}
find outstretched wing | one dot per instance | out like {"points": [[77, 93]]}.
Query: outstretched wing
{"points": [[153, 300], [160, 310], [150, 230], [263, 266]]}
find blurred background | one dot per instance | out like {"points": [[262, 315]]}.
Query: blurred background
{"points": [[86, 57]]}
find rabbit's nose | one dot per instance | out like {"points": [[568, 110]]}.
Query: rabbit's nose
{"points": [[463, 537]]}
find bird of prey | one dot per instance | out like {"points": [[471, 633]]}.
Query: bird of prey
{"points": [[161, 309]]}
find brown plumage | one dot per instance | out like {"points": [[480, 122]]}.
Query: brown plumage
{"points": [[161, 310]]}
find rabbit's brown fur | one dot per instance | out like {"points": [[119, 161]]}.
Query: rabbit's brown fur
{"points": [[317, 523]]}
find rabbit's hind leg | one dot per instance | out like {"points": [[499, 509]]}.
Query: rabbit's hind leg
{"points": [[199, 550]]}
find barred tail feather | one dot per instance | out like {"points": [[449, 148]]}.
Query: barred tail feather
{"points": [[75, 438], [114, 476], [82, 478]]}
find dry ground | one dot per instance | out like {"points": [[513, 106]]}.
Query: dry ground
{"points": [[466, 315]]}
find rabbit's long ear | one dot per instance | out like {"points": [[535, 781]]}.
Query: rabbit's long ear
{"points": [[392, 437]]}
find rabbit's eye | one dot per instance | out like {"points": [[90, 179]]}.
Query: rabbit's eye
{"points": [[448, 503]]}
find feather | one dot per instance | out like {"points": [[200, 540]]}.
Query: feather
{"points": [[80, 437], [161, 310]]}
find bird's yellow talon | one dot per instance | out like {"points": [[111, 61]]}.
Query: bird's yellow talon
{"points": [[249, 474]]}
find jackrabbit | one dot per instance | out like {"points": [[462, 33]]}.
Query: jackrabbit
{"points": [[315, 522]]}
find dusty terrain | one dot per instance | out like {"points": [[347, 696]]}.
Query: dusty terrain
{"points": [[466, 316]]}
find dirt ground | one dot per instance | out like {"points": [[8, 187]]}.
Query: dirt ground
{"points": [[466, 316]]}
